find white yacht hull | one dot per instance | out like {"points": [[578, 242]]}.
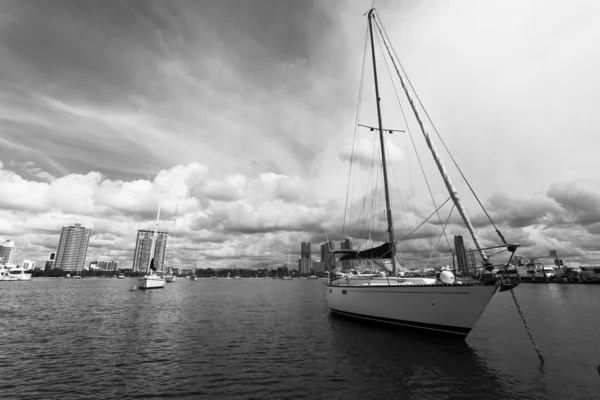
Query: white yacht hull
{"points": [[7, 275], [452, 309], [151, 282]]}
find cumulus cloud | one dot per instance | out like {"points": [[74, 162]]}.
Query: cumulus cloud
{"points": [[217, 219]]}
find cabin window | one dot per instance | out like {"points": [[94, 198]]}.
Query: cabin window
{"points": [[344, 291]]}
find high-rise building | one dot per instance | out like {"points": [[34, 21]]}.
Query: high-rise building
{"points": [[305, 250], [7, 252], [346, 245], [143, 245], [72, 248], [326, 249], [305, 254], [304, 266]]}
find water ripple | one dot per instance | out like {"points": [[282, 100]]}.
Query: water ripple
{"points": [[270, 339]]}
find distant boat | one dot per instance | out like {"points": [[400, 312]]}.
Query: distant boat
{"points": [[237, 276], [14, 273], [313, 277], [152, 280], [121, 276]]}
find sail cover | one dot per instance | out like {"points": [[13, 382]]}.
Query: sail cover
{"points": [[383, 251]]}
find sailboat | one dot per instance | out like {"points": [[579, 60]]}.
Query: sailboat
{"points": [[169, 277], [442, 304], [152, 279]]}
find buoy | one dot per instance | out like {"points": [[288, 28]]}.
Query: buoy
{"points": [[134, 288]]}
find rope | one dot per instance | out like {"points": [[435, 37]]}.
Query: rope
{"points": [[535, 346]]}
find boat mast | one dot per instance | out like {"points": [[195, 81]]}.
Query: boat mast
{"points": [[391, 238], [440, 165], [153, 247]]}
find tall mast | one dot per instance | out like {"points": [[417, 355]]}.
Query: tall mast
{"points": [[438, 161], [153, 247], [391, 238]]}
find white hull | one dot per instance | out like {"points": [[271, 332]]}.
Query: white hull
{"points": [[8, 275], [170, 278], [452, 309], [151, 282]]}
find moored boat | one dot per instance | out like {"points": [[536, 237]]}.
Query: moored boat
{"points": [[14, 273], [442, 302], [152, 279]]}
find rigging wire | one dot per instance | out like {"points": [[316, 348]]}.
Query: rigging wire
{"points": [[406, 122], [426, 219], [358, 107], [443, 233], [378, 20]]}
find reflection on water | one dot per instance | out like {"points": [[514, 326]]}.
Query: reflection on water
{"points": [[273, 339], [419, 365]]}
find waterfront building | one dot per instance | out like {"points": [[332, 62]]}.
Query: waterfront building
{"points": [[108, 265], [104, 265], [305, 262], [143, 245], [318, 268], [72, 248], [304, 266], [346, 245], [326, 249], [50, 261], [7, 252]]}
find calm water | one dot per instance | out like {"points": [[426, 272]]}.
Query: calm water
{"points": [[273, 339]]}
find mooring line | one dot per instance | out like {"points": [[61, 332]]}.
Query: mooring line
{"points": [[535, 346]]}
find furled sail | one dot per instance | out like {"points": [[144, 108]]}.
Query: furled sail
{"points": [[383, 251]]}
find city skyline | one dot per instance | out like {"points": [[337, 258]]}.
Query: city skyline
{"points": [[251, 138]]}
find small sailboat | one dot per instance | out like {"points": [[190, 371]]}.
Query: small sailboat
{"points": [[152, 279], [442, 304]]}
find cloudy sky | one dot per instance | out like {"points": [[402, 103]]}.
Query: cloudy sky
{"points": [[242, 113]]}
